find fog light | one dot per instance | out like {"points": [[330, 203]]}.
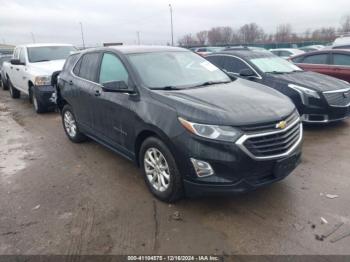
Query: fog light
{"points": [[202, 168]]}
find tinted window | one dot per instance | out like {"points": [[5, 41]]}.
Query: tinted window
{"points": [[70, 62], [298, 59], [233, 65], [112, 69], [275, 52], [285, 53], [201, 50], [341, 59], [216, 60], [316, 59], [89, 66], [47, 53], [22, 57], [342, 47], [77, 68]]}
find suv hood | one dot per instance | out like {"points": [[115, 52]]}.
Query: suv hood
{"points": [[48, 67], [312, 80], [237, 103]]}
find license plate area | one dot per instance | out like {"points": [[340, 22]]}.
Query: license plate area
{"points": [[284, 166]]}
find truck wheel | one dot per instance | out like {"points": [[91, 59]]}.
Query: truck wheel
{"points": [[4, 85], [160, 170], [70, 125], [38, 106], [13, 91]]}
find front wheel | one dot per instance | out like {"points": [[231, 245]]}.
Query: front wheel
{"points": [[70, 125], [160, 170], [13, 91], [38, 106], [4, 84]]}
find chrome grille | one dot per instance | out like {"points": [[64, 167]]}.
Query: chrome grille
{"points": [[339, 98], [273, 144]]}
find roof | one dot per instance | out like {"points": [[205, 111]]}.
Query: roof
{"points": [[131, 49], [323, 51], [44, 44], [246, 54]]}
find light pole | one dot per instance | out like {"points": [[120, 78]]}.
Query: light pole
{"points": [[33, 37], [138, 37], [171, 24], [82, 33]]}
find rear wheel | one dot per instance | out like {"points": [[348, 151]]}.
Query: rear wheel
{"points": [[4, 84], [160, 170], [13, 91], [70, 125]]}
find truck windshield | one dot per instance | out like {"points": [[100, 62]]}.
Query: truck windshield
{"points": [[176, 70], [274, 65], [47, 53]]}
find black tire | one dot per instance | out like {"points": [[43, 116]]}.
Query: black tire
{"points": [[13, 91], [174, 190], [39, 108], [77, 137], [4, 84]]}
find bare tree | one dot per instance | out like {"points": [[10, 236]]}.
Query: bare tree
{"points": [[202, 37], [345, 24], [251, 33], [283, 33], [324, 34], [188, 40]]}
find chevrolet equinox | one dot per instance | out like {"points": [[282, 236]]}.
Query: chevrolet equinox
{"points": [[190, 127]]}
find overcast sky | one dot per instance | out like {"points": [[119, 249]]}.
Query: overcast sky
{"points": [[119, 21]]}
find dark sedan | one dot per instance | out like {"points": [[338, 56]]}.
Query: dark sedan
{"points": [[319, 98], [333, 62]]}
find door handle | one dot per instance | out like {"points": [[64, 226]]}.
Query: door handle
{"points": [[97, 92], [17, 69]]}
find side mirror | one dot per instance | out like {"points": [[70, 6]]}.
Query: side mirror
{"points": [[231, 75], [247, 73], [16, 62], [115, 86]]}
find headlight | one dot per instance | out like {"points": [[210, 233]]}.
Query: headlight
{"points": [[42, 80], [304, 93], [221, 133]]}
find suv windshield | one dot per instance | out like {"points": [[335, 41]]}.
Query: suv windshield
{"points": [[47, 53], [180, 69], [274, 65]]}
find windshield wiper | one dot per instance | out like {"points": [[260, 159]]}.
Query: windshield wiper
{"points": [[276, 72], [208, 83], [166, 88], [44, 60]]}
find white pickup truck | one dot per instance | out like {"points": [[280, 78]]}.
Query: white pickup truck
{"points": [[30, 70]]}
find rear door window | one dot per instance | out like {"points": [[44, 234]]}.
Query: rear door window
{"points": [[234, 65], [216, 60], [320, 59], [341, 59], [89, 66], [112, 69]]}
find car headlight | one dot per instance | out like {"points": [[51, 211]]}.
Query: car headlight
{"points": [[42, 80], [304, 93], [221, 133]]}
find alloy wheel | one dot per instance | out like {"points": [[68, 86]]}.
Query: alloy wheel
{"points": [[70, 124], [157, 169]]}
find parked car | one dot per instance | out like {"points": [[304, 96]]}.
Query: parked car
{"points": [[332, 62], [6, 51], [311, 48], [286, 52], [342, 42], [3, 58], [189, 127], [30, 71], [318, 98], [205, 50], [253, 48]]}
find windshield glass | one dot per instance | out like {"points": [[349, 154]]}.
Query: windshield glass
{"points": [[181, 69], [47, 53], [274, 65]]}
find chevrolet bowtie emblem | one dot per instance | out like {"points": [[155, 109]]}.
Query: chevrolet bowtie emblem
{"points": [[281, 125]]}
